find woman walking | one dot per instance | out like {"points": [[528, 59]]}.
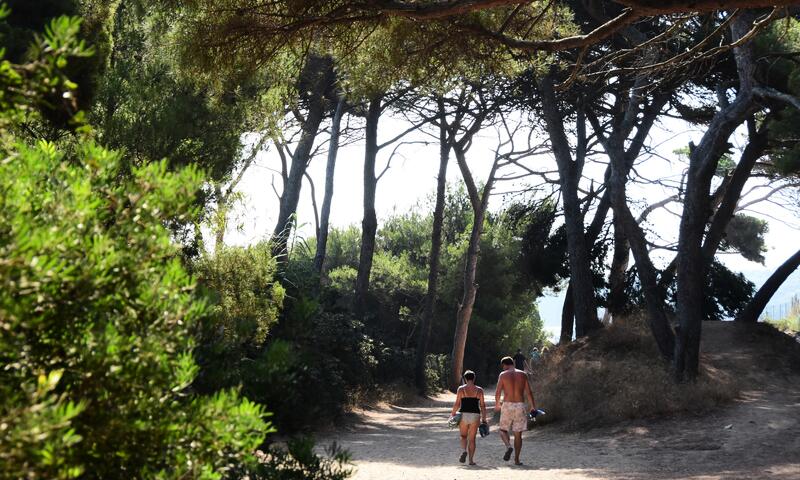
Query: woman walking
{"points": [[469, 401]]}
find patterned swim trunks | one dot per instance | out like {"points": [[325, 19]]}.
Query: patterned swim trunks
{"points": [[514, 417]]}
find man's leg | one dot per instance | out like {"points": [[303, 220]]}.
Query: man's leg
{"points": [[517, 447], [505, 438]]}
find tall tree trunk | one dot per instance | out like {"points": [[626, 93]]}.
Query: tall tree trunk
{"points": [[221, 223], [327, 200], [433, 261], [756, 306], [567, 316], [319, 71], [691, 266], [619, 268], [569, 177], [568, 308], [369, 225], [755, 148]]}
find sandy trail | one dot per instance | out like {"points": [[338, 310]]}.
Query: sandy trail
{"points": [[756, 437]]}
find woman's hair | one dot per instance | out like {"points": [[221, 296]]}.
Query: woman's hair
{"points": [[469, 375]]}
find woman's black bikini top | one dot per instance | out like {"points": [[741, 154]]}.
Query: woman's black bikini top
{"points": [[470, 405]]}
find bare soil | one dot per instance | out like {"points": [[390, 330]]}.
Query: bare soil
{"points": [[758, 436]]}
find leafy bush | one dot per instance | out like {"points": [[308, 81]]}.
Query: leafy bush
{"points": [[436, 371], [316, 361], [97, 314], [245, 302]]}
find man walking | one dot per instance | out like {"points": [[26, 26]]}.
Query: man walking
{"points": [[519, 360], [513, 385]]}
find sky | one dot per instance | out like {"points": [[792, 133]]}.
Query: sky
{"points": [[411, 177]]}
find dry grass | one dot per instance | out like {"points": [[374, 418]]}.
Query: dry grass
{"points": [[618, 375]]}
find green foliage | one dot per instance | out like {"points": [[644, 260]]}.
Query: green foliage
{"points": [[95, 300], [97, 323], [245, 297], [543, 248], [779, 43], [41, 83], [343, 247], [745, 234], [144, 107], [727, 293]]}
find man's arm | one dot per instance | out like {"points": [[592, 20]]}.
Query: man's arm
{"points": [[529, 391], [497, 392]]}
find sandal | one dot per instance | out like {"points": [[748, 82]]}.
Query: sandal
{"points": [[508, 453]]}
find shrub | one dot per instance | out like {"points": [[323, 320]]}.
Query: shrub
{"points": [[312, 349], [245, 302], [96, 319], [436, 372]]}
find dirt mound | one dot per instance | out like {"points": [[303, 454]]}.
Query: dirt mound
{"points": [[617, 375]]}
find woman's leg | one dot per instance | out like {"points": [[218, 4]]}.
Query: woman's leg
{"points": [[472, 431], [463, 428]]}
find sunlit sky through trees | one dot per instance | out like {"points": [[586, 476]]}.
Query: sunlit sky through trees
{"points": [[411, 179]]}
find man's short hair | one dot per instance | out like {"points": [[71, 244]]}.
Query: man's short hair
{"points": [[507, 361], [469, 375]]}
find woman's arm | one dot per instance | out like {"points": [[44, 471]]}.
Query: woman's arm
{"points": [[457, 405], [483, 405]]}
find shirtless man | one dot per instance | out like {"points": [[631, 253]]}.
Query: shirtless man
{"points": [[513, 384]]}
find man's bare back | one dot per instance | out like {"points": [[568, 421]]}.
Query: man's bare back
{"points": [[513, 383]]}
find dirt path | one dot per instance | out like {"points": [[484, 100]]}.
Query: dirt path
{"points": [[756, 437]]}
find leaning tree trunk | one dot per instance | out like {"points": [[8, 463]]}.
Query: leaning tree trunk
{"points": [[468, 299], [319, 73], [732, 192], [654, 301], [756, 306], [569, 176], [433, 263], [369, 225], [621, 161], [479, 202], [325, 213]]}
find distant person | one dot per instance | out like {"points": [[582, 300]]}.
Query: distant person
{"points": [[513, 385], [470, 402], [519, 360], [535, 355]]}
